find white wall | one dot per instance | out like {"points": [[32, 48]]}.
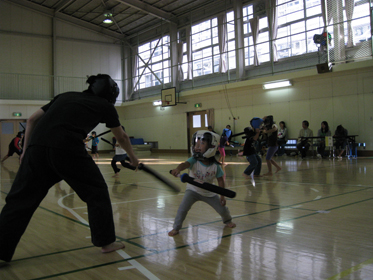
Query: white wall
{"points": [[26, 44]]}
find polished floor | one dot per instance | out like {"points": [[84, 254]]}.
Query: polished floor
{"points": [[312, 220]]}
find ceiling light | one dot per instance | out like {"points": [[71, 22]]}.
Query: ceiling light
{"points": [[157, 103], [108, 16], [277, 84]]}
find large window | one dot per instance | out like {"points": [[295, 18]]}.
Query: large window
{"points": [[298, 21], [205, 47], [154, 63]]}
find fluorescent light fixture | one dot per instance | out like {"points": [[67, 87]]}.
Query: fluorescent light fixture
{"points": [[157, 103], [277, 84], [108, 16]]}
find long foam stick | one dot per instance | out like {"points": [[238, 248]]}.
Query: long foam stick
{"points": [[107, 141], [103, 133], [154, 173], [185, 178]]}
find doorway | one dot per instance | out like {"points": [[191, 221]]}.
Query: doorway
{"points": [[9, 130], [197, 120]]}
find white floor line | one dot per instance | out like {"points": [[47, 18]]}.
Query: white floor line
{"points": [[129, 201], [138, 266], [126, 267], [76, 215]]}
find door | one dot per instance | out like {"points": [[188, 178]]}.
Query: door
{"points": [[9, 130], [196, 121]]}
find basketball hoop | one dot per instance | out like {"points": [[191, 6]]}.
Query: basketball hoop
{"points": [[165, 103]]}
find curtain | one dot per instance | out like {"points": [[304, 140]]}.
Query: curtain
{"points": [[222, 34], [350, 4], [211, 117], [180, 74], [189, 52], [254, 24], [272, 23]]}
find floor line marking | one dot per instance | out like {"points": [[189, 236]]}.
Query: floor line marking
{"points": [[134, 263], [351, 270], [76, 215], [137, 265]]}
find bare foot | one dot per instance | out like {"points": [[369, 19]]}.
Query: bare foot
{"points": [[230, 225], [112, 247], [278, 169], [116, 175], [268, 174], [173, 232]]}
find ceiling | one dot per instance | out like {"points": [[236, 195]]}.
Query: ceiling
{"points": [[131, 18]]}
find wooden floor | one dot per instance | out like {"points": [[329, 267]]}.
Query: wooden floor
{"points": [[312, 220]]}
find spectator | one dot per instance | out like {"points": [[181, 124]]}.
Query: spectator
{"points": [[340, 136], [282, 138], [303, 142], [323, 131]]}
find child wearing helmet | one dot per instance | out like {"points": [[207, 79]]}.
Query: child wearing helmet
{"points": [[203, 166], [252, 135]]}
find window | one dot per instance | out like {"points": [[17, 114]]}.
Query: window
{"points": [[154, 63], [204, 42], [197, 121]]}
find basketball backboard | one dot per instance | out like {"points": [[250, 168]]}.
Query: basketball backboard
{"points": [[168, 97]]}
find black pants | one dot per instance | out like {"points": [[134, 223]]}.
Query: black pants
{"points": [[118, 158], [321, 149], [303, 148], [41, 168]]}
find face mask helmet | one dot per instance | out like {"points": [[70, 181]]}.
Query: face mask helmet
{"points": [[248, 131], [256, 123], [104, 86], [212, 140]]}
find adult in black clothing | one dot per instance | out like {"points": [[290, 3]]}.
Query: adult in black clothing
{"points": [[54, 151], [249, 151]]}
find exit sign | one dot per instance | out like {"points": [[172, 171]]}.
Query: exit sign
{"points": [[198, 105], [17, 114]]}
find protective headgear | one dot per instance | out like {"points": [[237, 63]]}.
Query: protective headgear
{"points": [[104, 86], [247, 131], [212, 140], [256, 122]]}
